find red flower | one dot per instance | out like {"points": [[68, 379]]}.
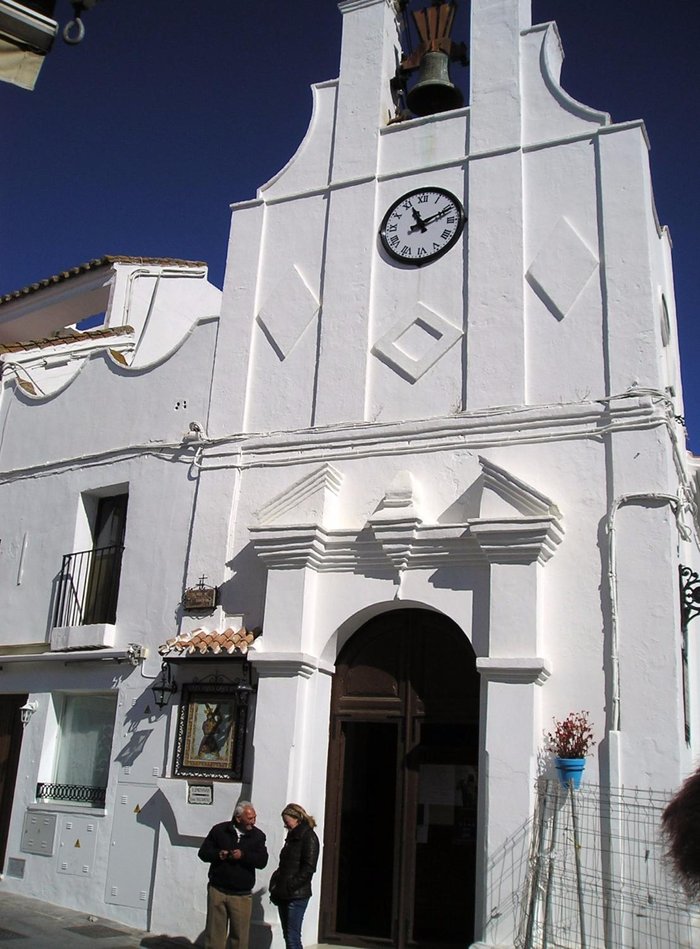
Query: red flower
{"points": [[572, 737]]}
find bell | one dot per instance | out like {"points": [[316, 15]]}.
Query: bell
{"points": [[434, 92]]}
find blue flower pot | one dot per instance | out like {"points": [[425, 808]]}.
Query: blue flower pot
{"points": [[570, 770]]}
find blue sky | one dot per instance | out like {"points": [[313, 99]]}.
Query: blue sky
{"points": [[137, 140]]}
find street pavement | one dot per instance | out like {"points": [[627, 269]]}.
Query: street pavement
{"points": [[32, 924]]}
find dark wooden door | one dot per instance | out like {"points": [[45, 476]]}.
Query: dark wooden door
{"points": [[105, 560], [10, 744], [400, 843]]}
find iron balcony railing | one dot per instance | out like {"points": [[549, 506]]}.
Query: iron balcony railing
{"points": [[72, 793], [88, 587]]}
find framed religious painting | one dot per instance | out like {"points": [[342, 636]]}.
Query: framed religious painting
{"points": [[211, 729]]}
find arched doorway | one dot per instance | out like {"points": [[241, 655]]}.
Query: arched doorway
{"points": [[400, 839]]}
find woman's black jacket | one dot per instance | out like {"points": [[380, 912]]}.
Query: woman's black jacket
{"points": [[298, 859]]}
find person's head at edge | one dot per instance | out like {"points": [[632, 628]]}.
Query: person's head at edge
{"points": [[244, 816], [294, 814]]}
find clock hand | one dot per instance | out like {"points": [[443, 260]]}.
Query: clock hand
{"points": [[434, 217], [428, 220], [420, 223]]}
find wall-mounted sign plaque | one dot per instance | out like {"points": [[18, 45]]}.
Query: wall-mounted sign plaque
{"points": [[200, 794]]}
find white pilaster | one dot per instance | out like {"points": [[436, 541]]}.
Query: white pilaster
{"points": [[368, 57], [496, 320], [495, 72], [290, 758]]}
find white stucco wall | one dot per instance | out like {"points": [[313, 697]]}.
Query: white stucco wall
{"points": [[530, 484]]}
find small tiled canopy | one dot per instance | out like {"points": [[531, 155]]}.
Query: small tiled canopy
{"points": [[205, 642]]}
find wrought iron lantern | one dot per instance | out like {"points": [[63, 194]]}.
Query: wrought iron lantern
{"points": [[164, 687]]}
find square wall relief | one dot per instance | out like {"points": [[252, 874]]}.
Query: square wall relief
{"points": [[561, 269], [416, 342], [287, 311]]}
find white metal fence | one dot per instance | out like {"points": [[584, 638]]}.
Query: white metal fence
{"points": [[597, 876]]}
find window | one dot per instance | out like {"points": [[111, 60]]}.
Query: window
{"points": [[85, 734], [106, 561], [88, 585]]}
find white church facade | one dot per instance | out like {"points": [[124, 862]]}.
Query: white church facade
{"points": [[411, 486]]}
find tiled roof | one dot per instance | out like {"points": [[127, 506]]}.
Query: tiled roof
{"points": [[206, 642], [65, 337], [106, 261]]}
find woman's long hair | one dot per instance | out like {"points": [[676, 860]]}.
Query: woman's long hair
{"points": [[298, 813], [681, 826]]}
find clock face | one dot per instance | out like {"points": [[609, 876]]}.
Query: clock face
{"points": [[422, 225]]}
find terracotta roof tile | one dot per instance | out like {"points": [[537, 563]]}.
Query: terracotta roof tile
{"points": [[107, 261], [205, 642], [65, 338]]}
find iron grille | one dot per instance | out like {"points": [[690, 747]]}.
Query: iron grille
{"points": [[88, 587], [75, 793]]}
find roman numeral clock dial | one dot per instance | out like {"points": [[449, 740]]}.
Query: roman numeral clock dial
{"points": [[421, 226]]}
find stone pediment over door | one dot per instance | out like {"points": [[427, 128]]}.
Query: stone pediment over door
{"points": [[517, 524]]}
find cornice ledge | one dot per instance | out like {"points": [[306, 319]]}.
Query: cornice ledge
{"points": [[288, 665], [485, 427], [289, 546], [396, 538], [517, 671], [517, 539], [405, 544]]}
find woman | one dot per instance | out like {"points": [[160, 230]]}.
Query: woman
{"points": [[290, 885]]}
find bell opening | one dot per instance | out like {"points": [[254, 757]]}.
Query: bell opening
{"points": [[434, 92]]}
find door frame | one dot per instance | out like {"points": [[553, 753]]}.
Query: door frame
{"points": [[11, 733], [405, 712]]}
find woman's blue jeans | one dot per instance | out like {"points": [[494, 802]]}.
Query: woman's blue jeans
{"points": [[291, 916]]}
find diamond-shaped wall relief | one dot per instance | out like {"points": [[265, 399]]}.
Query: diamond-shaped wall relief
{"points": [[416, 341], [561, 269], [287, 311]]}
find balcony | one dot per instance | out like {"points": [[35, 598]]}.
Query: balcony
{"points": [[86, 596]]}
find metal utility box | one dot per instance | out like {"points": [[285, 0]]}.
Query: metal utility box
{"points": [[39, 833]]}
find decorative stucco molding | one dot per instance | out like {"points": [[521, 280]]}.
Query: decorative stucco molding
{"points": [[560, 286], [396, 522], [286, 313], [288, 665], [517, 540], [523, 497], [396, 538], [315, 493], [407, 545], [518, 671], [415, 342]]}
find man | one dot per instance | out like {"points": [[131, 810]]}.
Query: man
{"points": [[235, 850]]}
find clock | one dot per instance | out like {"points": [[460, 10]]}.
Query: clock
{"points": [[422, 225]]}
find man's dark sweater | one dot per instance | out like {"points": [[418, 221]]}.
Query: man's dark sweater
{"points": [[230, 875]]}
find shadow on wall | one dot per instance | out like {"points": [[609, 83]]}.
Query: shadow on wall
{"points": [[143, 711], [260, 932], [157, 813], [509, 877], [246, 586]]}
